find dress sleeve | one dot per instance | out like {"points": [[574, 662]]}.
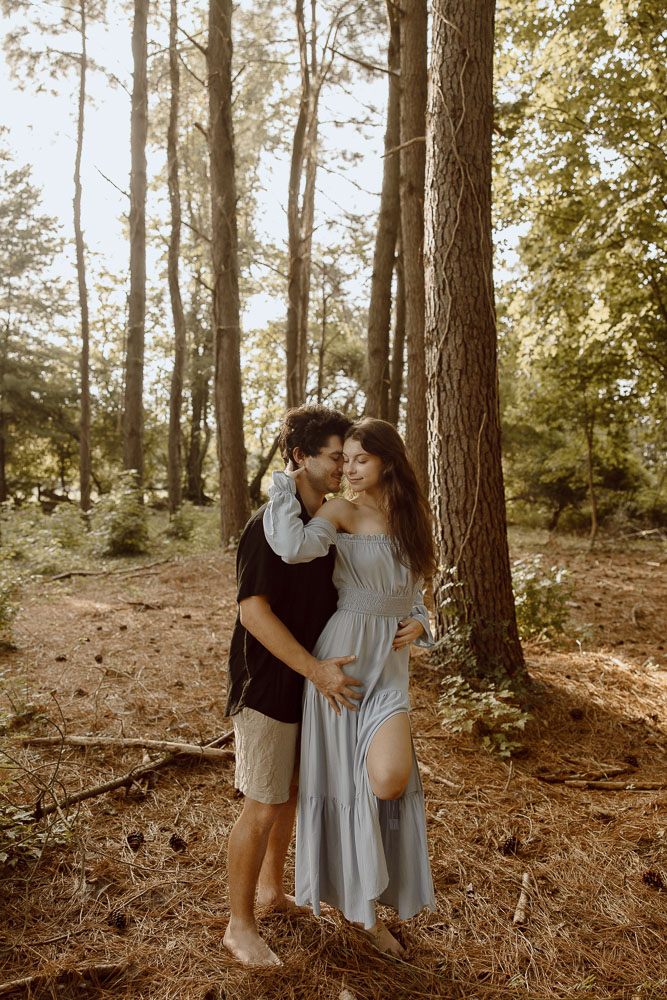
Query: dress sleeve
{"points": [[288, 536], [420, 612]]}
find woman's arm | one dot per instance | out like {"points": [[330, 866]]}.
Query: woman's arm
{"points": [[286, 533], [416, 628]]}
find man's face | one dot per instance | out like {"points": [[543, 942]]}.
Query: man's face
{"points": [[324, 470]]}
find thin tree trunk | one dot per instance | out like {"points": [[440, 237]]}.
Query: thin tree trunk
{"points": [[234, 497], [323, 338], [133, 420], [414, 26], [467, 494], [295, 376], [398, 347], [174, 453], [265, 462], [379, 310], [84, 420], [588, 431]]}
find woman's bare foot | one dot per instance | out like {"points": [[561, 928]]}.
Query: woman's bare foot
{"points": [[384, 940], [280, 902], [247, 947]]}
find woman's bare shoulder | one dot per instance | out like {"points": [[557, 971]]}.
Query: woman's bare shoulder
{"points": [[339, 511]]}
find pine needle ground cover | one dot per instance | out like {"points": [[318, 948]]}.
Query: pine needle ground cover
{"points": [[125, 894]]}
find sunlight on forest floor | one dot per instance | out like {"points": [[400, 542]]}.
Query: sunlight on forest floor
{"points": [[143, 655]]}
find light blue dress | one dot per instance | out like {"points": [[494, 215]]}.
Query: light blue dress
{"points": [[351, 847]]}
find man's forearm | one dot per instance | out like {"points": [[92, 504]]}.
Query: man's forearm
{"points": [[274, 635]]}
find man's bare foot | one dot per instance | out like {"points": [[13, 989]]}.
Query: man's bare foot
{"points": [[247, 947], [280, 902], [384, 940]]}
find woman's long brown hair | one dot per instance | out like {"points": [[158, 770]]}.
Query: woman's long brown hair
{"points": [[408, 514]]}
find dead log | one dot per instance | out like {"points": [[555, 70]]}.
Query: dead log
{"points": [[604, 773], [107, 572], [126, 779], [172, 746], [91, 972], [620, 786]]}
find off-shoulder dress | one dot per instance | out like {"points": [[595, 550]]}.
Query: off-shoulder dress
{"points": [[351, 847]]}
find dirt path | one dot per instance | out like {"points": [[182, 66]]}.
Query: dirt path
{"points": [[144, 655]]}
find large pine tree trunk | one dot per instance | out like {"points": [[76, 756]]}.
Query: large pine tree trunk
{"points": [[133, 420], [174, 457], [414, 27], [234, 499], [379, 310], [84, 419], [464, 428]]}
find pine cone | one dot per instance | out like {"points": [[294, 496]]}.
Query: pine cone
{"points": [[177, 843], [135, 839], [510, 845], [653, 878], [118, 919]]}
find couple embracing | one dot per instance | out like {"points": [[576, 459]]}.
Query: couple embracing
{"points": [[323, 588]]}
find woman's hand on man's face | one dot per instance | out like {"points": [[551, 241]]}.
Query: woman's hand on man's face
{"points": [[292, 469]]}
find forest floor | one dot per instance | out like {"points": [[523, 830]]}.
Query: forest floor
{"points": [[142, 654]]}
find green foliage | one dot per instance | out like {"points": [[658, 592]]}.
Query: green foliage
{"points": [[9, 583], [120, 520], [540, 598], [182, 523], [487, 713]]}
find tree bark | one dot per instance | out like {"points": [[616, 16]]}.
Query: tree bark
{"points": [[298, 273], [398, 347], [234, 498], [379, 310], [133, 420], [414, 26], [461, 352], [84, 419], [174, 451]]}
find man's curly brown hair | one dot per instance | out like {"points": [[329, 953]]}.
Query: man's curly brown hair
{"points": [[309, 428]]}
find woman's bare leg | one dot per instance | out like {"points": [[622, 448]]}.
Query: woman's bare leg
{"points": [[389, 764], [389, 758]]}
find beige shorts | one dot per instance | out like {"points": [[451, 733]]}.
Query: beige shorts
{"points": [[265, 756]]}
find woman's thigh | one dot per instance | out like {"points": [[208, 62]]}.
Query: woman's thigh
{"points": [[389, 758]]}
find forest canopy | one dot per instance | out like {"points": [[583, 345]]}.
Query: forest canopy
{"points": [[579, 184]]}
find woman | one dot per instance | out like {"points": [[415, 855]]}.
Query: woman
{"points": [[361, 829]]}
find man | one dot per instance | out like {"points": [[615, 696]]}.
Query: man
{"points": [[282, 610]]}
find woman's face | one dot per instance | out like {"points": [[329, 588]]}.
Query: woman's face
{"points": [[363, 471]]}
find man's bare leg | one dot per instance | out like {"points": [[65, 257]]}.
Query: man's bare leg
{"points": [[248, 844], [271, 890]]}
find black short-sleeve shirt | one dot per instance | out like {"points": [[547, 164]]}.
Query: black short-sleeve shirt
{"points": [[302, 596]]}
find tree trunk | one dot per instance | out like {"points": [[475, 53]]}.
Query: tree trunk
{"points": [[174, 457], [265, 462], [588, 431], [414, 26], [84, 420], [464, 427], [398, 347], [234, 498], [301, 211], [200, 432], [379, 310], [133, 419]]}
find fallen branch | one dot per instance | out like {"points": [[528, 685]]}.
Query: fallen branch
{"points": [[620, 786], [94, 972], [106, 572], [172, 746], [607, 772], [524, 899], [126, 779], [425, 769]]}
